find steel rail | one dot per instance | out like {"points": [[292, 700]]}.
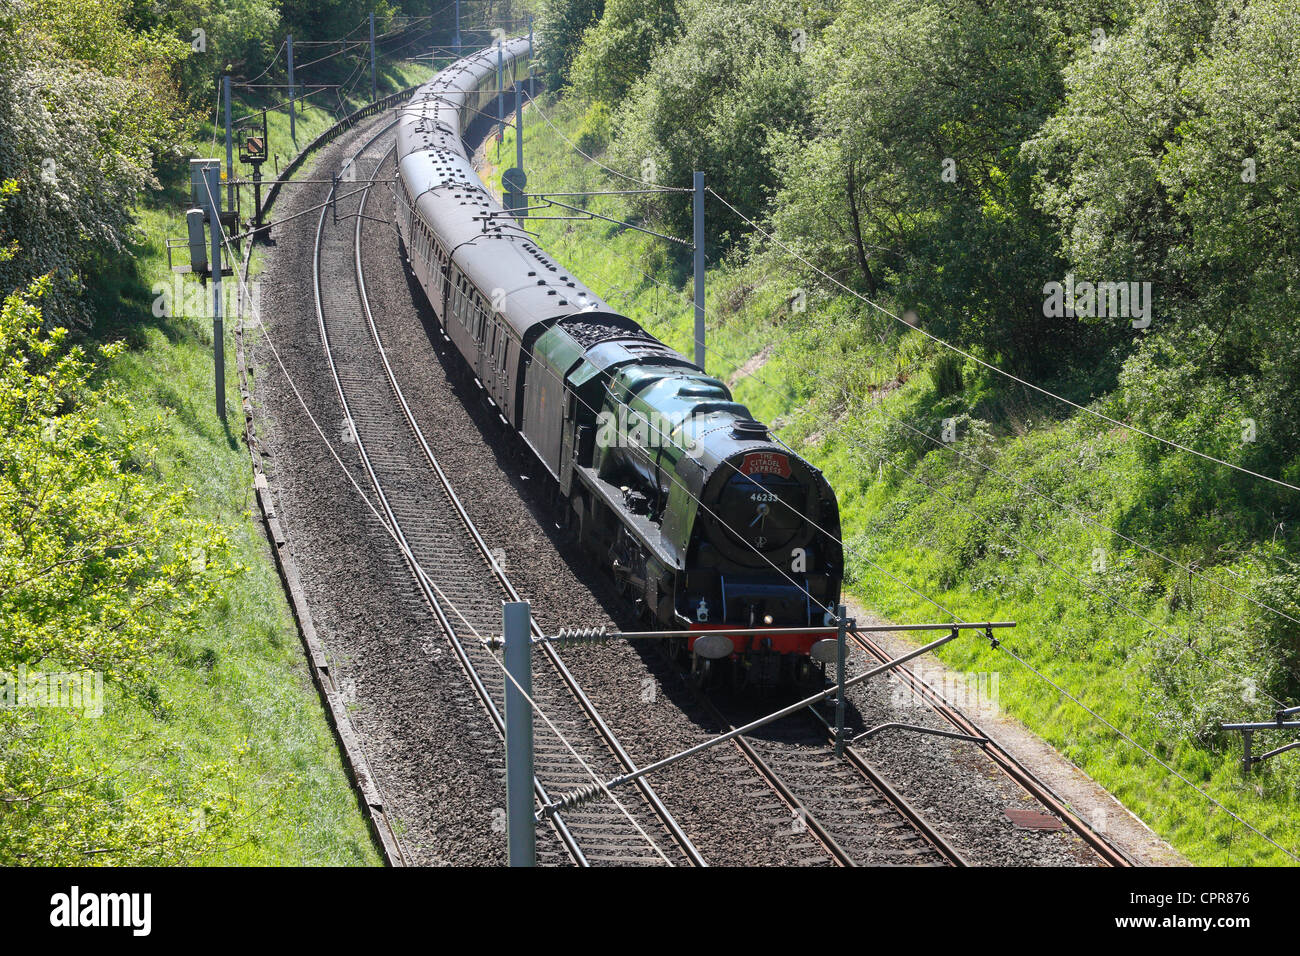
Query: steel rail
{"points": [[774, 779], [786, 793], [588, 706], [562, 832], [1017, 771], [896, 799]]}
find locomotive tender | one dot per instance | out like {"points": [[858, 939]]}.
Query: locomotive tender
{"points": [[701, 518]]}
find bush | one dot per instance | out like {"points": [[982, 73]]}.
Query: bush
{"points": [[713, 101], [946, 373], [85, 108], [102, 572], [563, 24]]}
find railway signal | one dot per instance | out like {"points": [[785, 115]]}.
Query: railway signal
{"points": [[205, 185], [254, 151]]}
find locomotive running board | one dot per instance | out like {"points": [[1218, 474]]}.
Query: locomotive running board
{"points": [[645, 530]]}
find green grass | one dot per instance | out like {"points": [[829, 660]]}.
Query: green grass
{"points": [[239, 700], [235, 710], [1159, 654]]}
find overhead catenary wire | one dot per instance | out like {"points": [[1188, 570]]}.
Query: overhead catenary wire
{"points": [[270, 64], [1075, 511], [841, 429], [1118, 731], [346, 45], [576, 148], [1109, 598], [216, 119], [1107, 723], [1024, 486], [893, 316], [595, 411], [393, 518], [392, 533], [737, 366], [993, 368], [243, 285], [1125, 736]]}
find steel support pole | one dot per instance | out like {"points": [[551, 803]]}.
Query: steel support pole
{"points": [[520, 826], [699, 269], [532, 90], [257, 201], [230, 149], [519, 126], [841, 653], [374, 88], [293, 126], [456, 35], [501, 98], [1246, 740]]}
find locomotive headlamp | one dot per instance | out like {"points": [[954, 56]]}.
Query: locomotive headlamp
{"points": [[767, 619], [825, 651]]}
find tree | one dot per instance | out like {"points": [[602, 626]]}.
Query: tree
{"points": [[85, 109], [616, 52], [912, 181], [714, 100], [563, 24], [1173, 161]]}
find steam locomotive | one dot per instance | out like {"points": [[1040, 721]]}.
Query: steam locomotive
{"points": [[702, 519]]}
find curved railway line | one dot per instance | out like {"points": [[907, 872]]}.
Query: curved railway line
{"points": [[435, 532], [853, 818], [841, 811]]}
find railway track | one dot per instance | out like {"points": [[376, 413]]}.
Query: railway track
{"points": [[454, 570], [859, 822], [852, 813], [838, 808], [960, 723]]}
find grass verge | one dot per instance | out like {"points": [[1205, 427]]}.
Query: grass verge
{"points": [[1123, 660], [232, 717]]}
